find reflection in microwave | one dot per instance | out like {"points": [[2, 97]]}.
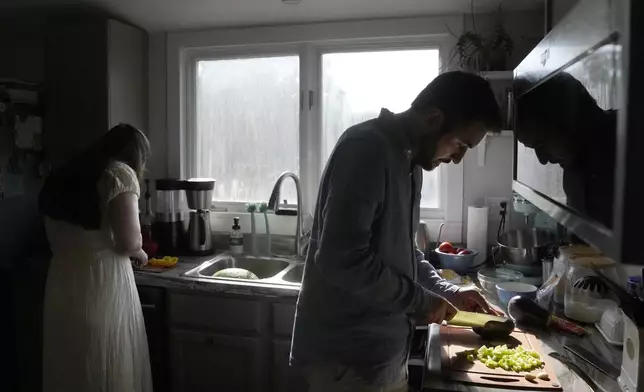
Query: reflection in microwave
{"points": [[571, 124]]}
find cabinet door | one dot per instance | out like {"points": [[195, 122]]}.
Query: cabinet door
{"points": [[284, 377], [153, 306], [208, 362], [75, 98], [127, 74]]}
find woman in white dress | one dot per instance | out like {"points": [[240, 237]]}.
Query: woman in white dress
{"points": [[93, 331]]}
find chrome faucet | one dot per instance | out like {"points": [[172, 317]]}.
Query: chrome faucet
{"points": [[274, 205]]}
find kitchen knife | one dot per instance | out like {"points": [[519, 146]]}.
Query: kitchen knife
{"points": [[434, 348], [593, 360]]}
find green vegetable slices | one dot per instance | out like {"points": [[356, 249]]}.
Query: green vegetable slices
{"points": [[511, 359]]}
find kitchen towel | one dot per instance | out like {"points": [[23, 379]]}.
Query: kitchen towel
{"points": [[477, 231]]}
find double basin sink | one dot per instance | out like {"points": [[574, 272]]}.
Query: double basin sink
{"points": [[269, 270]]}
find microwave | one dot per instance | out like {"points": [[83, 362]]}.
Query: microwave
{"points": [[577, 116]]}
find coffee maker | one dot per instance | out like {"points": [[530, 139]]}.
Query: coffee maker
{"points": [[199, 196], [168, 229]]}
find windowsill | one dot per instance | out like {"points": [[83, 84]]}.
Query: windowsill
{"points": [[285, 225]]}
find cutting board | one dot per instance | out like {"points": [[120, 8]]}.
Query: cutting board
{"points": [[155, 268], [456, 368]]}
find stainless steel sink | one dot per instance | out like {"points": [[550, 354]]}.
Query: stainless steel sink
{"points": [[294, 274], [269, 270]]}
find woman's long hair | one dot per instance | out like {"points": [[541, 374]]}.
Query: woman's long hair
{"points": [[70, 193]]}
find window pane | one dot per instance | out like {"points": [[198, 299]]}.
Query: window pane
{"points": [[357, 85], [247, 127]]}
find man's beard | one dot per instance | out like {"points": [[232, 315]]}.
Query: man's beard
{"points": [[426, 152]]}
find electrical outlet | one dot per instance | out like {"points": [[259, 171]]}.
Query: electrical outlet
{"points": [[494, 206]]}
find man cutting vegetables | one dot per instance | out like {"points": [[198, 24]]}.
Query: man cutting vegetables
{"points": [[365, 282]]}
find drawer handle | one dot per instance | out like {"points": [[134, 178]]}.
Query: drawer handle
{"points": [[148, 306]]}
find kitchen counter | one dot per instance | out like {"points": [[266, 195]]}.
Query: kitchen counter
{"points": [[570, 381], [553, 341], [174, 280]]}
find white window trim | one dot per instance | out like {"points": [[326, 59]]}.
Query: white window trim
{"points": [[307, 40]]}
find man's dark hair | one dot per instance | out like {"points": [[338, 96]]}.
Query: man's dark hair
{"points": [[463, 98], [70, 193]]}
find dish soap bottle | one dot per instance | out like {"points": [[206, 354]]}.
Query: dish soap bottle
{"points": [[236, 240]]}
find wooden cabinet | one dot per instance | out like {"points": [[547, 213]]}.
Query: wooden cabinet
{"points": [[95, 77], [212, 362], [231, 343], [153, 306]]}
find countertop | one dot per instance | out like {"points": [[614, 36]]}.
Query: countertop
{"points": [[570, 381], [173, 279]]}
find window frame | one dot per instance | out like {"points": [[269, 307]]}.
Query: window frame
{"points": [[310, 116]]}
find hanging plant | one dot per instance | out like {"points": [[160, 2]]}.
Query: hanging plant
{"points": [[478, 52]]}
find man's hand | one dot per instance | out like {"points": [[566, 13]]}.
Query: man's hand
{"points": [[442, 311], [470, 300]]}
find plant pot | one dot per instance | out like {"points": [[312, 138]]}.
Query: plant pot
{"points": [[496, 60]]}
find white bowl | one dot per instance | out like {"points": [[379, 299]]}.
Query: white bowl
{"points": [[507, 290]]}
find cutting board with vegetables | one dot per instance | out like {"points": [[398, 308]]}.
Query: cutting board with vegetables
{"points": [[457, 342]]}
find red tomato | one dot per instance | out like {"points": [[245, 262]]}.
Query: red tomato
{"points": [[446, 247], [465, 252], [459, 250]]}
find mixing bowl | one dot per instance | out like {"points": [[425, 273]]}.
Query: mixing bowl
{"points": [[490, 277], [508, 290], [461, 264]]}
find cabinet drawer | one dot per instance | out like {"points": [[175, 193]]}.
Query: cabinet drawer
{"points": [[283, 317], [151, 297], [225, 314]]}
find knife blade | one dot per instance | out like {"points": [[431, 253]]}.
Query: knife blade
{"points": [[433, 350]]}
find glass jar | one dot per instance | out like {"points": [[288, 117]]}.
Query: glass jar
{"points": [[585, 293], [562, 262]]}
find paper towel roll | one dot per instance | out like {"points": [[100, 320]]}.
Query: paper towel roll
{"points": [[477, 231]]}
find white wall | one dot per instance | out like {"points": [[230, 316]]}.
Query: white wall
{"points": [[157, 129], [494, 179]]}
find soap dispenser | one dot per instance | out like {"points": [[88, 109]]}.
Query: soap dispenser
{"points": [[236, 240]]}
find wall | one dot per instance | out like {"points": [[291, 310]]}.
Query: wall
{"points": [[157, 132], [494, 178]]}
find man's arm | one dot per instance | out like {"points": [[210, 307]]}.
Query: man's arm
{"points": [[355, 192], [431, 280]]}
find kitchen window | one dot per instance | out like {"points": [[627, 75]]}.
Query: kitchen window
{"points": [[254, 112], [247, 124], [355, 87]]}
